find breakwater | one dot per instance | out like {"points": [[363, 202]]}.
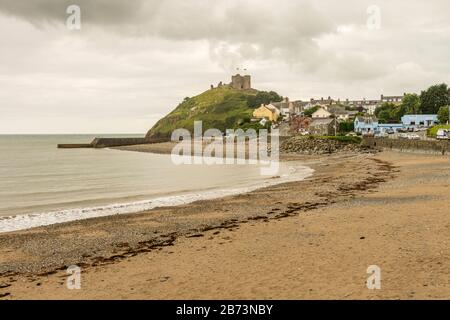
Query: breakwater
{"points": [[110, 142]]}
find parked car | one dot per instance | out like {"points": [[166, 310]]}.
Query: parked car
{"points": [[381, 135], [443, 134], [413, 137], [401, 130], [351, 134], [390, 131]]}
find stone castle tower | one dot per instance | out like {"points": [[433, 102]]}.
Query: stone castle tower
{"points": [[241, 82]]}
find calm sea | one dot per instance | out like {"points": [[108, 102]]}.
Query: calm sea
{"points": [[42, 185]]}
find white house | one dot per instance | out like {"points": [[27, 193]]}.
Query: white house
{"points": [[286, 108], [321, 113], [370, 108]]}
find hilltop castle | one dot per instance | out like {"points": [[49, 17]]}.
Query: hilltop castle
{"points": [[238, 82], [241, 82]]}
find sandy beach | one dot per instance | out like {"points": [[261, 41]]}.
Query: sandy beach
{"points": [[312, 239]]}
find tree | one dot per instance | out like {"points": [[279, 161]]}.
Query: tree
{"points": [[443, 114], [410, 104], [263, 97], [388, 113], [434, 98], [384, 116], [347, 126]]}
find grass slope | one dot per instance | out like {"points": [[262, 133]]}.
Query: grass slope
{"points": [[432, 132], [222, 108]]}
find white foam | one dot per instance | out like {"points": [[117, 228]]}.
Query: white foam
{"points": [[27, 221]]}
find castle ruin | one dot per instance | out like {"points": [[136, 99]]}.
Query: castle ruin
{"points": [[241, 82]]}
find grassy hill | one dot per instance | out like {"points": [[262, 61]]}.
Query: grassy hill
{"points": [[221, 108]]}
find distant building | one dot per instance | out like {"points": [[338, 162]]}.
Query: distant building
{"points": [[321, 113], [299, 107], [370, 109], [366, 124], [306, 105], [367, 106], [322, 101], [241, 82], [299, 124], [268, 112], [286, 107], [341, 114], [420, 120], [323, 127], [393, 99]]}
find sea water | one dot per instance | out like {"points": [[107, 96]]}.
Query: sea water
{"points": [[42, 185]]}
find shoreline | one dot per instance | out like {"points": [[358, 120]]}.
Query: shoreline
{"points": [[178, 224], [43, 219], [33, 262]]}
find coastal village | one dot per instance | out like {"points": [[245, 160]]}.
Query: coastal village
{"points": [[330, 117], [399, 117]]}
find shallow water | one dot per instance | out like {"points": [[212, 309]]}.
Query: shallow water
{"points": [[41, 185]]}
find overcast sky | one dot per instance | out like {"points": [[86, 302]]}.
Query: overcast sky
{"points": [[134, 61]]}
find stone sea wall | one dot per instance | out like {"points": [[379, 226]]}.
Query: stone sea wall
{"points": [[419, 146], [116, 142]]}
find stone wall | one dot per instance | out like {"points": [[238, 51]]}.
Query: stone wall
{"points": [[116, 142], [74, 145], [419, 146], [313, 145]]}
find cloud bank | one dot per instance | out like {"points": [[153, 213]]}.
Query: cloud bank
{"points": [[135, 60]]}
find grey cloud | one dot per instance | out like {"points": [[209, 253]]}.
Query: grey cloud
{"points": [[100, 12], [140, 58], [237, 31]]}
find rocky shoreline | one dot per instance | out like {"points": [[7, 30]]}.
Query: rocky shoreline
{"points": [[319, 146]]}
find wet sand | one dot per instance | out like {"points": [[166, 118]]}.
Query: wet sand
{"points": [[312, 239]]}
